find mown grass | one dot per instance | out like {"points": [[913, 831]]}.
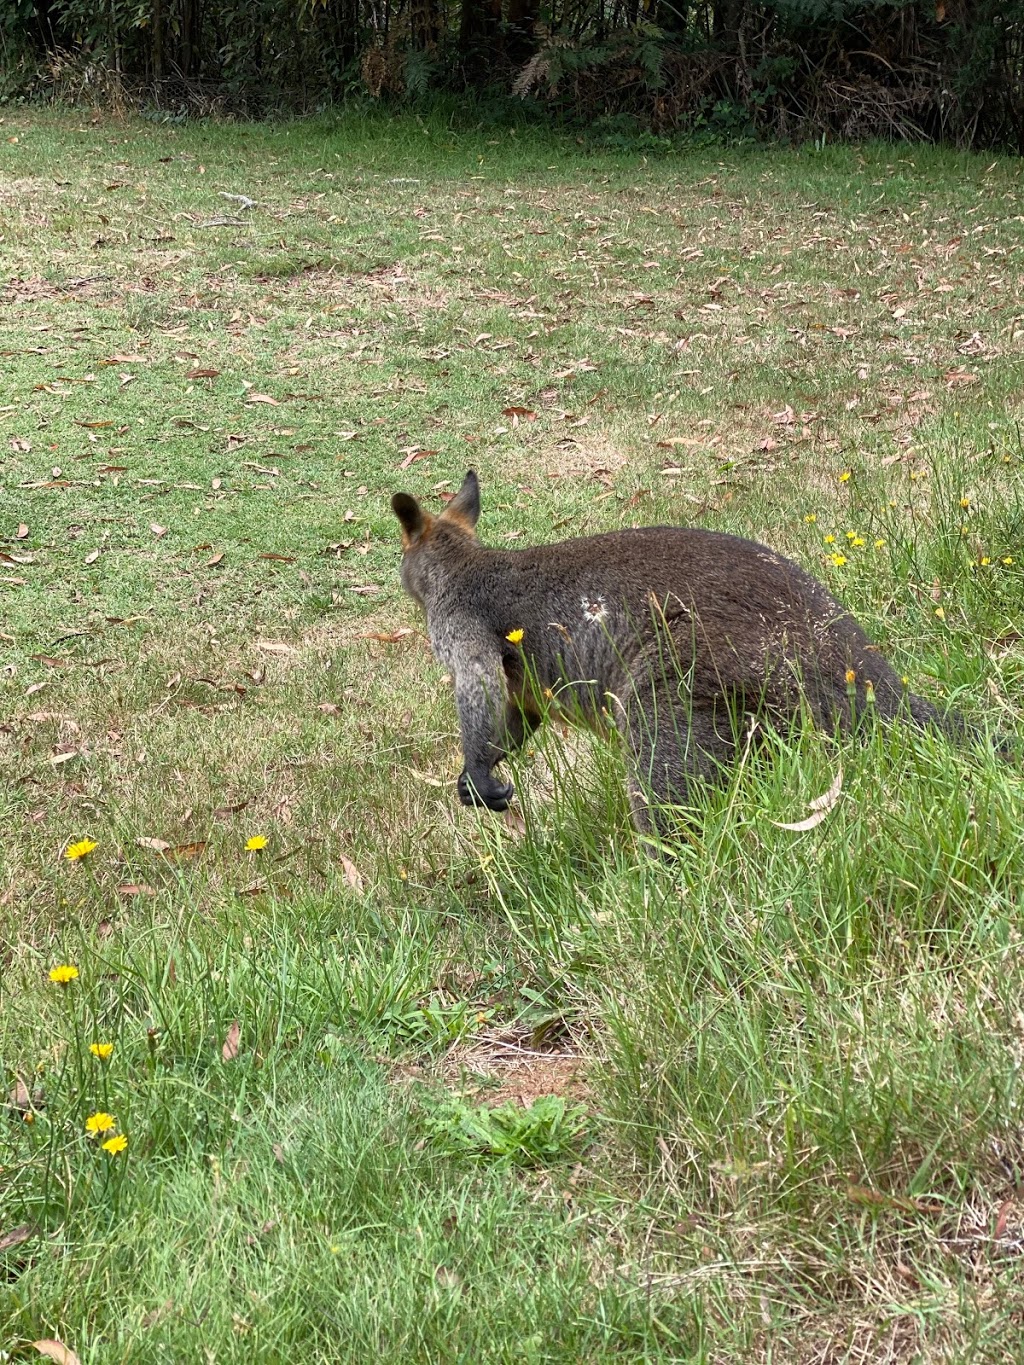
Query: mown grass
{"points": [[788, 1115]]}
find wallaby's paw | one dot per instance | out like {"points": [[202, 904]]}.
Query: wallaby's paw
{"points": [[485, 791]]}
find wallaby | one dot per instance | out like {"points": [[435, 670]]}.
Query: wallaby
{"points": [[669, 634]]}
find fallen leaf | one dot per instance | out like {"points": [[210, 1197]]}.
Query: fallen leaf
{"points": [[426, 777], [135, 888], [959, 378], [230, 1049], [157, 845], [222, 812], [92, 556], [828, 799], [820, 807], [274, 647], [155, 1314], [15, 1237], [56, 1350], [352, 874], [263, 398], [513, 820], [329, 708], [19, 1097], [181, 852], [214, 560], [21, 532], [202, 374], [516, 413], [93, 426], [415, 455], [385, 637], [50, 661], [158, 530], [36, 687], [283, 559]]}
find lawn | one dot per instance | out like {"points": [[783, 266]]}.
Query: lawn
{"points": [[399, 1080]]}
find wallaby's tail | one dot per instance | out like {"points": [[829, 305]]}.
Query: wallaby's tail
{"points": [[950, 723]]}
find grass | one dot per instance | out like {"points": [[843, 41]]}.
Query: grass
{"points": [[413, 1082]]}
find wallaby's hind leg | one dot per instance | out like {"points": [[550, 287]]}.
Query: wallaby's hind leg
{"points": [[519, 726], [670, 746]]}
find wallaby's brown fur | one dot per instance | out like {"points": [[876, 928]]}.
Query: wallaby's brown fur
{"points": [[667, 633]]}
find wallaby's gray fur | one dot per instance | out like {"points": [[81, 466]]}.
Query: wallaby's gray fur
{"points": [[665, 632]]}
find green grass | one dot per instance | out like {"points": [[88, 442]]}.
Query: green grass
{"points": [[413, 1083]]}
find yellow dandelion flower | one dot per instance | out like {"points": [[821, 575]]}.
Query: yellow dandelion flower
{"points": [[257, 842], [115, 1144], [905, 680], [81, 849], [857, 540], [845, 476], [1007, 559], [839, 560], [811, 518], [830, 540], [965, 503], [100, 1123], [940, 612], [984, 560], [101, 1050], [851, 675], [515, 637], [879, 543], [63, 974], [28, 1118]]}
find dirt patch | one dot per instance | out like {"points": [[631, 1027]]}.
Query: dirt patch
{"points": [[498, 1070]]}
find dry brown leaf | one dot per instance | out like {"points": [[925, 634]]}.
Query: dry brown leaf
{"points": [[56, 1350], [959, 378], [820, 807], [92, 556], [21, 532], [158, 530], [352, 874], [202, 374], [329, 708], [230, 1049], [19, 1097], [214, 560], [157, 845], [414, 455], [274, 647], [263, 398], [134, 889], [182, 852], [283, 559], [386, 637], [828, 799], [15, 1237]]}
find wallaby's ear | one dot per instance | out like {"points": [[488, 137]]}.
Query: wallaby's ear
{"points": [[465, 506], [412, 516]]}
